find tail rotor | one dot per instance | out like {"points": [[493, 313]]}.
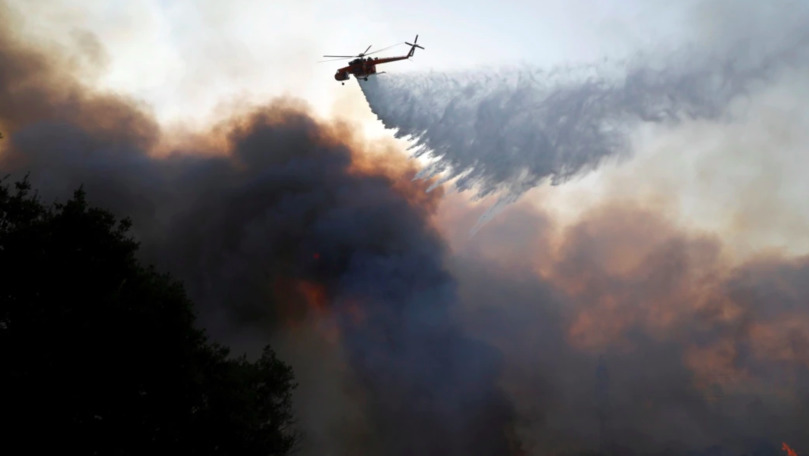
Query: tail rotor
{"points": [[413, 46]]}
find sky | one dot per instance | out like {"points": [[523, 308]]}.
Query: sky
{"points": [[207, 51], [681, 263]]}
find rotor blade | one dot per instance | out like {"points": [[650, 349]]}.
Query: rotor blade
{"points": [[331, 60], [340, 56], [384, 48], [366, 49]]}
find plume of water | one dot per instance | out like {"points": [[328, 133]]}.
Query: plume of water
{"points": [[503, 131]]}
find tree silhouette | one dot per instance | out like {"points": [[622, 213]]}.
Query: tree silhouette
{"points": [[100, 354]]}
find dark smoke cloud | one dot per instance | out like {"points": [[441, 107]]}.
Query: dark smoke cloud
{"points": [[284, 224], [504, 131]]}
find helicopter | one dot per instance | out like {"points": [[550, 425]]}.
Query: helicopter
{"points": [[362, 66]]}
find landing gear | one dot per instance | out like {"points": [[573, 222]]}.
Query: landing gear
{"points": [[364, 79], [343, 83]]}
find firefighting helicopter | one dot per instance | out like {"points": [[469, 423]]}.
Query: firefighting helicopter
{"points": [[362, 67]]}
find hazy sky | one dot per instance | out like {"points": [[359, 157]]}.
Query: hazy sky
{"points": [[185, 59], [185, 56]]}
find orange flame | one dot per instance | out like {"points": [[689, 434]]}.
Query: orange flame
{"points": [[790, 451], [306, 305], [315, 296]]}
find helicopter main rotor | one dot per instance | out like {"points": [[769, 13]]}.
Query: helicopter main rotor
{"points": [[358, 56]]}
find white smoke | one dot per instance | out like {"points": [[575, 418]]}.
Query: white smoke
{"points": [[504, 131]]}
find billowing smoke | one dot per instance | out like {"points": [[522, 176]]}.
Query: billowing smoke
{"points": [[504, 131], [626, 335], [287, 220]]}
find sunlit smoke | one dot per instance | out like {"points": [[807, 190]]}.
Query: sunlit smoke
{"points": [[628, 334], [503, 131]]}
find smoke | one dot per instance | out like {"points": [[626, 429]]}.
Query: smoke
{"points": [[625, 334], [289, 222], [504, 131]]}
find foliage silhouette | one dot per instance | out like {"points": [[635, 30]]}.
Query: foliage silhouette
{"points": [[100, 354]]}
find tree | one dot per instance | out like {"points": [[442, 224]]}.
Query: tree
{"points": [[100, 354]]}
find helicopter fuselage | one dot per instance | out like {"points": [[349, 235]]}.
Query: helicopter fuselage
{"points": [[361, 68]]}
